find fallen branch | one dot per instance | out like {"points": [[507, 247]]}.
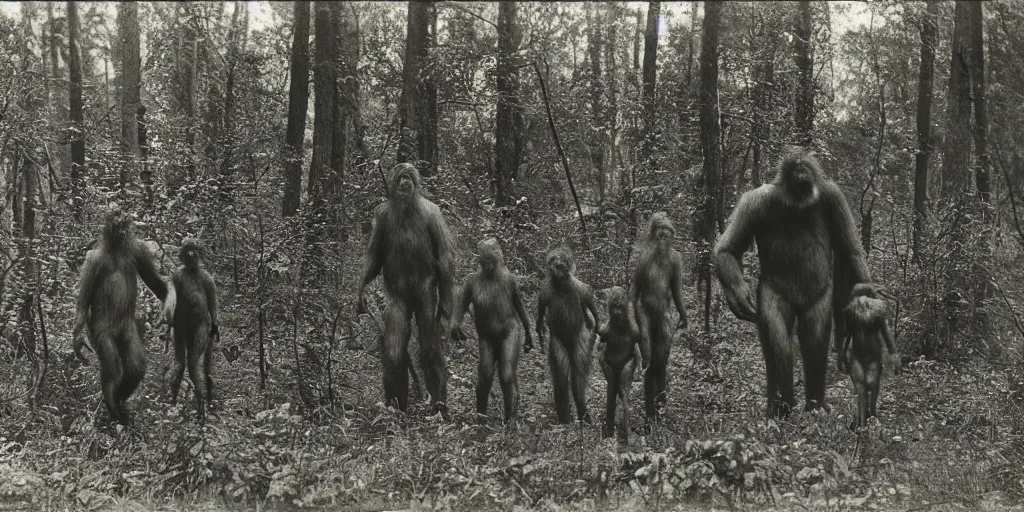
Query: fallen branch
{"points": [[558, 145]]}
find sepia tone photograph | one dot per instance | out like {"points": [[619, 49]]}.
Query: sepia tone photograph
{"points": [[512, 255]]}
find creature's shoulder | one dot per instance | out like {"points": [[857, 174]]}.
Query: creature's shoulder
{"points": [[866, 311], [583, 288], [830, 191]]}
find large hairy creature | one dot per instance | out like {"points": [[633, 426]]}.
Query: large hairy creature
{"points": [[657, 283], [497, 308], [810, 258], [861, 349], [195, 325], [562, 308], [107, 296], [620, 352], [411, 246]]}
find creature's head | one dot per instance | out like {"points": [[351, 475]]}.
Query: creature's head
{"points": [[660, 230], [191, 252], [404, 182], [866, 304], [490, 255], [618, 304], [560, 263], [118, 226], [799, 176]]}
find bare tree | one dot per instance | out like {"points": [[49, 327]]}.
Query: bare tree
{"points": [[925, 85], [418, 115], [129, 83], [803, 113], [509, 117], [710, 136], [75, 101], [298, 103]]}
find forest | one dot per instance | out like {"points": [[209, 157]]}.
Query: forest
{"points": [[682, 203]]}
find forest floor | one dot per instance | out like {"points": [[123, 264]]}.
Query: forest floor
{"points": [[947, 439]]}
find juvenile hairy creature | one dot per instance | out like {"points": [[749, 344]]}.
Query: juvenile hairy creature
{"points": [[620, 352], [810, 258], [107, 297], [411, 246], [562, 308], [195, 325], [861, 349], [657, 283], [497, 308]]}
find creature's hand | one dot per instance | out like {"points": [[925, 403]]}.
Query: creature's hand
{"points": [[456, 333], [841, 363], [740, 303], [170, 303], [214, 331], [528, 346], [682, 322]]}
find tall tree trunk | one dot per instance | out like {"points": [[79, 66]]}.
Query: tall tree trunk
{"points": [[298, 103], [321, 181], [418, 116], [596, 136], [129, 83], [649, 78], [983, 262], [763, 49], [956, 156], [710, 131], [75, 101], [803, 116], [347, 86], [929, 38], [689, 46], [507, 135], [236, 36], [611, 109], [187, 57]]}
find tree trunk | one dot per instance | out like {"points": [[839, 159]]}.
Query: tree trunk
{"points": [[611, 109], [418, 116], [325, 96], [956, 156], [976, 66], [929, 38], [129, 84], [75, 101], [803, 116], [187, 55], [596, 137], [649, 78], [710, 131], [236, 35], [508, 121], [298, 103], [346, 120]]}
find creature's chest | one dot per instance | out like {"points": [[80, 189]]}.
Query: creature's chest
{"points": [[787, 230], [492, 295], [409, 237], [653, 273], [566, 310]]}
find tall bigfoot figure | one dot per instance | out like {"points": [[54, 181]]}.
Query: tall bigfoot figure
{"points": [[620, 352], [106, 305], [410, 244], [195, 324], [810, 257], [562, 307], [657, 283], [867, 329], [497, 306]]}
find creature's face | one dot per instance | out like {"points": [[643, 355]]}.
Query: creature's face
{"points": [[559, 264], [663, 235], [489, 263], [490, 256], [119, 226], [617, 308], [405, 181]]}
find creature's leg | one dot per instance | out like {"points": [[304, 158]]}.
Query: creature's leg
{"points": [[859, 377], [435, 370], [611, 376], [178, 371], [196, 368], [485, 374], [580, 371], [774, 324], [208, 367], [396, 355], [625, 382], [111, 372], [558, 360], [134, 363], [658, 372], [508, 366], [813, 330], [873, 376]]}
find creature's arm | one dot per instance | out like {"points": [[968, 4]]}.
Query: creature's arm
{"points": [[591, 305], [677, 289], [88, 279], [844, 344], [728, 253], [517, 303], [374, 258], [210, 290], [845, 241], [887, 336], [542, 308], [146, 268], [445, 261], [461, 308]]}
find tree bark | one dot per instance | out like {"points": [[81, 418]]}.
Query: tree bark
{"points": [[321, 177], [649, 79], [418, 116], [976, 61], [596, 136], [129, 84], [508, 118], [75, 102], [929, 38], [803, 113], [236, 36], [298, 103], [957, 147], [710, 131]]}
